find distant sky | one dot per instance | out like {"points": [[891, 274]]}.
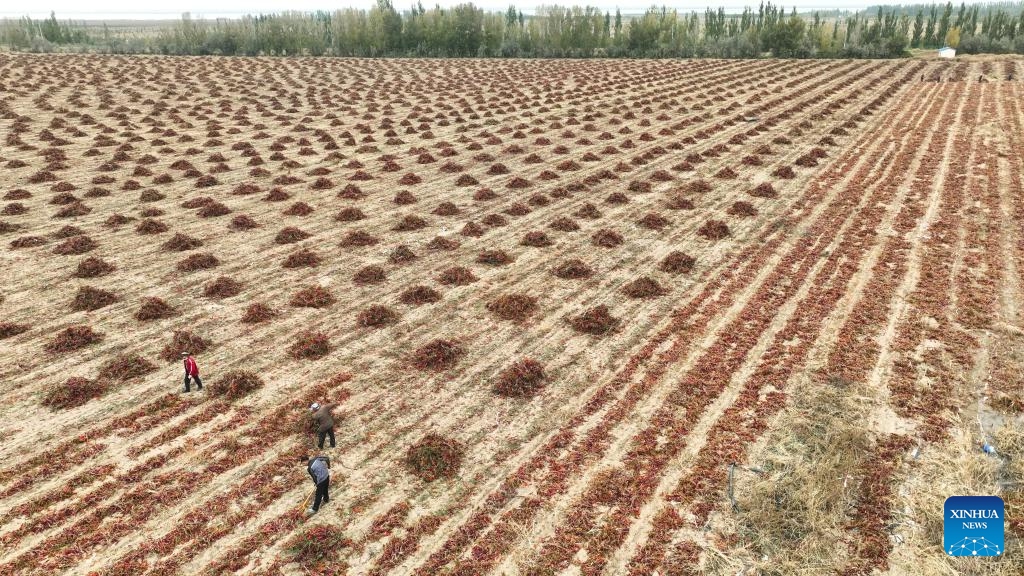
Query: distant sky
{"points": [[125, 9]]}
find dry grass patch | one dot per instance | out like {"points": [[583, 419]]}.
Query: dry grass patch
{"points": [[794, 514]]}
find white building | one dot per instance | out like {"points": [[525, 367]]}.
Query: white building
{"points": [[947, 52]]}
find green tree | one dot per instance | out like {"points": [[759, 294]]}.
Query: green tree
{"points": [[915, 39], [390, 26], [953, 37], [50, 29], [929, 29], [944, 22], [510, 17]]}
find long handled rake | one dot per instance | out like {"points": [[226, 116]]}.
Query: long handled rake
{"points": [[309, 498]]}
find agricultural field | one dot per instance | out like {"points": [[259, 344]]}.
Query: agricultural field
{"points": [[555, 301]]}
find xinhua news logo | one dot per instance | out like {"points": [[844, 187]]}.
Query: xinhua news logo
{"points": [[973, 526]]}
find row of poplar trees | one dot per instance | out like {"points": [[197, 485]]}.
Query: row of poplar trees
{"points": [[975, 29], [552, 31]]}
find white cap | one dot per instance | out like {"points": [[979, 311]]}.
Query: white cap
{"points": [[314, 406]]}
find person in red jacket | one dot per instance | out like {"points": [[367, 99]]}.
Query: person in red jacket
{"points": [[191, 372]]}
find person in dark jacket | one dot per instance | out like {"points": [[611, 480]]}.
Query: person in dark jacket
{"points": [[191, 372], [324, 422], [319, 469]]}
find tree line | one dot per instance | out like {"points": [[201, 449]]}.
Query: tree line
{"points": [[551, 32], [992, 28]]}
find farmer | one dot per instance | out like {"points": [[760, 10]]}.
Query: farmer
{"points": [[319, 471], [191, 372], [324, 422]]}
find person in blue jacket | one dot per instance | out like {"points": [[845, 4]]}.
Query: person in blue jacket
{"points": [[319, 469]]}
